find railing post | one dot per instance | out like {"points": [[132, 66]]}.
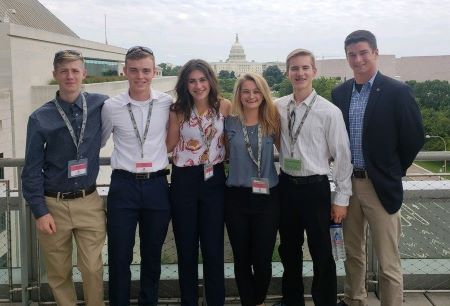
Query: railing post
{"points": [[25, 242]]}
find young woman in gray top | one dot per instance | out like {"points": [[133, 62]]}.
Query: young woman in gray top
{"points": [[251, 206]]}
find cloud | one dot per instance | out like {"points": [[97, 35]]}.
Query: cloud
{"points": [[178, 30]]}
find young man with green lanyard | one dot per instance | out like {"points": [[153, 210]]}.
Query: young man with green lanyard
{"points": [[312, 133]]}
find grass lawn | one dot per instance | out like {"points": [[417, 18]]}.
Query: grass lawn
{"points": [[433, 166]]}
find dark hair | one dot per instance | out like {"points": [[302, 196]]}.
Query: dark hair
{"points": [[184, 102], [139, 52], [359, 36]]}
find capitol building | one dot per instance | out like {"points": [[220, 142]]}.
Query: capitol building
{"points": [[238, 63]]}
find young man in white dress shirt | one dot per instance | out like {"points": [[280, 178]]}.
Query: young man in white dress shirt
{"points": [[139, 191], [312, 134]]}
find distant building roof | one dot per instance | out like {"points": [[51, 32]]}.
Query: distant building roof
{"points": [[33, 14]]}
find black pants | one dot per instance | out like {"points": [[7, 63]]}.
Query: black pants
{"points": [[198, 216], [252, 223], [306, 207], [132, 201]]}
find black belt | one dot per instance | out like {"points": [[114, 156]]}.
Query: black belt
{"points": [[143, 176], [69, 195], [301, 180], [361, 174]]}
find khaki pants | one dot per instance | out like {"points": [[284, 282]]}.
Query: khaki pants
{"points": [[365, 209], [84, 219]]}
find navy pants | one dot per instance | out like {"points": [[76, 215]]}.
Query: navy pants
{"points": [[252, 225], [306, 207], [198, 216], [132, 201]]}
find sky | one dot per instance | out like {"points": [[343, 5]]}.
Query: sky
{"points": [[179, 30]]}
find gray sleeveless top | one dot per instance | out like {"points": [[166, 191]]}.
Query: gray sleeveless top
{"points": [[242, 168]]}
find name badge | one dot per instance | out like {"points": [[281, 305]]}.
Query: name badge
{"points": [[208, 171], [143, 166], [77, 167], [260, 185], [292, 164]]}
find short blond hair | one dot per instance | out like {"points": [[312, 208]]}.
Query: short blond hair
{"points": [[301, 52], [67, 56]]}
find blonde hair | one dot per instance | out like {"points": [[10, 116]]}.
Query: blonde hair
{"points": [[268, 114], [300, 52]]}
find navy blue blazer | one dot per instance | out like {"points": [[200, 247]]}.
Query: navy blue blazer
{"points": [[392, 134]]}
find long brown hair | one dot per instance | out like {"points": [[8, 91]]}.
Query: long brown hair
{"points": [[184, 102]]}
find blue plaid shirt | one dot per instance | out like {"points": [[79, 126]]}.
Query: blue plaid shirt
{"points": [[357, 110]]}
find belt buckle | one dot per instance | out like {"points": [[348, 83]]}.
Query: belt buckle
{"points": [[361, 174], [72, 194], [143, 176]]}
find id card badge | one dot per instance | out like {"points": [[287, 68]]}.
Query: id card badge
{"points": [[143, 166], [260, 185], [292, 164], [208, 171], [77, 167]]}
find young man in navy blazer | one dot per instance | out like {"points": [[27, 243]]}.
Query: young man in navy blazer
{"points": [[386, 133]]}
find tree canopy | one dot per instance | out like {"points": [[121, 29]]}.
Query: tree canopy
{"points": [[273, 75]]}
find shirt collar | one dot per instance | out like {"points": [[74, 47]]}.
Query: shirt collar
{"points": [[67, 105], [370, 82], [153, 96], [307, 101]]}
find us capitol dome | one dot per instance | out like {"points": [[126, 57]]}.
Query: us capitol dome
{"points": [[237, 53], [238, 63]]}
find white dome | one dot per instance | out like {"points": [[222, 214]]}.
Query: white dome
{"points": [[237, 53]]}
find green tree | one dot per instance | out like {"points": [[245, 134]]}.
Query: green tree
{"points": [[285, 87], [224, 74], [433, 98], [432, 94], [169, 70], [227, 85], [324, 86], [273, 75]]}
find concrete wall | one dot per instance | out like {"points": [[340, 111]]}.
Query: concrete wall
{"points": [[29, 63], [5, 129], [419, 68], [423, 68]]}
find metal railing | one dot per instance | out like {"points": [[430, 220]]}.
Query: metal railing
{"points": [[424, 247]]}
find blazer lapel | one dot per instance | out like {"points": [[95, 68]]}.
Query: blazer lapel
{"points": [[373, 98], [346, 105]]}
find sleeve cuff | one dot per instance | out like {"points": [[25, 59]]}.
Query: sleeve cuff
{"points": [[341, 199], [39, 209]]}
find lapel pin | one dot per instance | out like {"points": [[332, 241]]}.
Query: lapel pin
{"points": [[378, 89]]}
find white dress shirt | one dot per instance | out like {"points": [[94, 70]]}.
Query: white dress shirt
{"points": [[127, 149], [322, 138]]}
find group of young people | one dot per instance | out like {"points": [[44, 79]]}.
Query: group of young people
{"points": [[371, 133]]}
